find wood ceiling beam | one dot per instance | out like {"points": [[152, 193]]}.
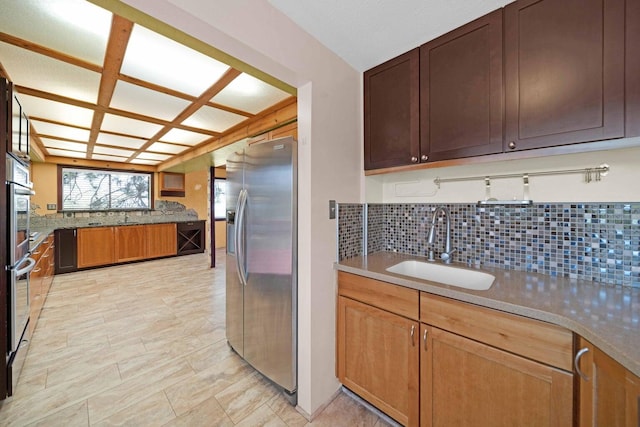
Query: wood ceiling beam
{"points": [[88, 105], [34, 47], [101, 164], [222, 82], [113, 58], [281, 113]]}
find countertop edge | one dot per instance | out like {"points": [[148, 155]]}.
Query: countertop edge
{"points": [[473, 297]]}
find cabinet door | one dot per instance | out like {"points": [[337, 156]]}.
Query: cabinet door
{"points": [[96, 246], [609, 395], [391, 112], [66, 251], [465, 382], [461, 96], [632, 68], [130, 243], [564, 72], [378, 358], [161, 240]]}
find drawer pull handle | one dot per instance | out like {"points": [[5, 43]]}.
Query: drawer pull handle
{"points": [[413, 332], [576, 362], [424, 339]]}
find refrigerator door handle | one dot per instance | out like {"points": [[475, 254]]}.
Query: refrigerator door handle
{"points": [[239, 236]]}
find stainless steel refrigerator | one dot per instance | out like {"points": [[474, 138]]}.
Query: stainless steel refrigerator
{"points": [[261, 273]]}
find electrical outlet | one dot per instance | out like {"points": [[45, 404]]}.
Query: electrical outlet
{"points": [[51, 206]]}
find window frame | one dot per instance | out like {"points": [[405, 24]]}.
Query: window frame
{"points": [[224, 217], [107, 170]]}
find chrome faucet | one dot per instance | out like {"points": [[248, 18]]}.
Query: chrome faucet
{"points": [[446, 255]]}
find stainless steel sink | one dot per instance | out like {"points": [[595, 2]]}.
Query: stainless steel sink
{"points": [[445, 274]]}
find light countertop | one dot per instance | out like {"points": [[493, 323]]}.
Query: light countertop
{"points": [[608, 316]]}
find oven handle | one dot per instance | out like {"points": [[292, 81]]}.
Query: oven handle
{"points": [[31, 264], [23, 191]]}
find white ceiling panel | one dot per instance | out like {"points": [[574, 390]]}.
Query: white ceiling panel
{"points": [[27, 68], [145, 162], [249, 94], [185, 137], [56, 111], [66, 153], [157, 59], [153, 156], [64, 145], [111, 151], [161, 147], [132, 127], [61, 131], [120, 141], [213, 119], [75, 27], [108, 158], [130, 97]]}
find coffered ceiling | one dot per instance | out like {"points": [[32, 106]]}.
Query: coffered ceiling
{"points": [[97, 86]]}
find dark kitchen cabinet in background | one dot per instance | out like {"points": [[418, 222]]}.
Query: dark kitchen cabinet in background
{"points": [[564, 72], [191, 238], [391, 113], [461, 96], [66, 248]]}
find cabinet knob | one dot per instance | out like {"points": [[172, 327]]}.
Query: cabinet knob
{"points": [[512, 145], [424, 158], [414, 159]]}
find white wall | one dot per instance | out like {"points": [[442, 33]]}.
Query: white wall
{"points": [[621, 184], [330, 153]]}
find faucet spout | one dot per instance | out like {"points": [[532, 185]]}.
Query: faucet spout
{"points": [[446, 255]]}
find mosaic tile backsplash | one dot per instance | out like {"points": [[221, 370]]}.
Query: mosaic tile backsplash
{"points": [[592, 241]]}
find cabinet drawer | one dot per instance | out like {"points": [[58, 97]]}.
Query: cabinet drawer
{"points": [[393, 298], [530, 338]]}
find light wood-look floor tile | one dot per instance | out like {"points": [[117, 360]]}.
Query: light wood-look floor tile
{"points": [[144, 344]]}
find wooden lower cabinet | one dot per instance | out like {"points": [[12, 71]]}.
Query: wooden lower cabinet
{"points": [[465, 382], [378, 358], [609, 395], [40, 279], [96, 246], [433, 361], [161, 240], [130, 243]]}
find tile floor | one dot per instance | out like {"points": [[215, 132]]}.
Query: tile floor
{"points": [[144, 345]]}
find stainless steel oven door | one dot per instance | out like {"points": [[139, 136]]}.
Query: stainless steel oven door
{"points": [[19, 299], [18, 218]]}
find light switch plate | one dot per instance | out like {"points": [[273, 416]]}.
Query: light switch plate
{"points": [[332, 209]]}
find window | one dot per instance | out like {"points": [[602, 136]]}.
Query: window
{"points": [[103, 190], [220, 198]]}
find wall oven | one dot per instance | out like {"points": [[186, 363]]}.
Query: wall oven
{"points": [[20, 264]]}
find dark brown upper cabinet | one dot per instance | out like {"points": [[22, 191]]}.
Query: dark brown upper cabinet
{"points": [[632, 68], [391, 110], [461, 92], [564, 72]]}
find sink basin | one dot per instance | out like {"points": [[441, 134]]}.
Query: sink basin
{"points": [[447, 275]]}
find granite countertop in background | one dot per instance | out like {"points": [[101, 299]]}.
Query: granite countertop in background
{"points": [[607, 316]]}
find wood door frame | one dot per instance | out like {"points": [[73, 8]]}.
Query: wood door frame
{"points": [[212, 215]]}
